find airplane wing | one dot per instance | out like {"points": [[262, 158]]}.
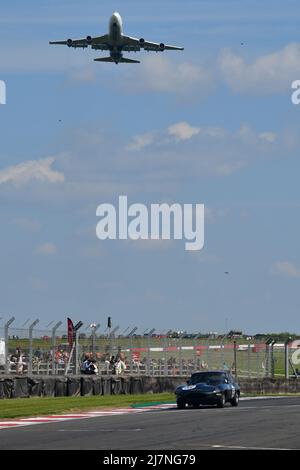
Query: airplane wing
{"points": [[149, 46], [96, 43], [131, 48]]}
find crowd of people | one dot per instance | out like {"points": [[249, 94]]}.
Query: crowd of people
{"points": [[106, 363], [19, 359], [111, 364]]}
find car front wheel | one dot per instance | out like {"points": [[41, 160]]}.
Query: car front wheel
{"points": [[180, 404], [221, 401], [235, 400]]}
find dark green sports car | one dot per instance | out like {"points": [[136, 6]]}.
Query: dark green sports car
{"points": [[208, 388]]}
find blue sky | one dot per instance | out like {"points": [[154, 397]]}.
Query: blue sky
{"points": [[234, 148]]}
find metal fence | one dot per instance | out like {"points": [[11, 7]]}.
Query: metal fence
{"points": [[47, 352]]}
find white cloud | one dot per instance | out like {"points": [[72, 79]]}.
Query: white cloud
{"points": [[213, 215], [179, 131], [161, 165], [203, 150], [183, 131], [141, 141], [28, 224], [161, 74], [285, 269], [85, 74], [268, 136], [46, 249], [269, 73], [39, 170]]}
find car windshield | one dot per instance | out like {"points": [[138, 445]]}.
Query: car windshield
{"points": [[207, 378]]}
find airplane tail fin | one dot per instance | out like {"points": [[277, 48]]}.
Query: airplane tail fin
{"points": [[123, 60]]}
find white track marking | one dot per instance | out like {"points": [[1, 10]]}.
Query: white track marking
{"points": [[76, 416], [269, 397], [218, 446]]}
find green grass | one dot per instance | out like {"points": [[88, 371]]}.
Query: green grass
{"points": [[24, 407]]}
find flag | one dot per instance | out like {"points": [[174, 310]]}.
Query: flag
{"points": [[70, 332]]}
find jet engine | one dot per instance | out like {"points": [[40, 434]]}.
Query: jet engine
{"points": [[69, 42]]}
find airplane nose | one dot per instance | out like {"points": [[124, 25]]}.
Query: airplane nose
{"points": [[114, 19]]}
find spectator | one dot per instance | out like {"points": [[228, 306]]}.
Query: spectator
{"points": [[85, 365], [89, 367], [21, 364], [38, 353], [93, 367], [112, 364], [120, 366]]}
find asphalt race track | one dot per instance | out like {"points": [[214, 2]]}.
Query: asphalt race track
{"points": [[255, 424]]}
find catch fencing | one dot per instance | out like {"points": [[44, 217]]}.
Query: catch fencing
{"points": [[34, 351]]}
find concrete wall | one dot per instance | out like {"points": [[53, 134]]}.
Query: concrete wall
{"points": [[51, 386]]}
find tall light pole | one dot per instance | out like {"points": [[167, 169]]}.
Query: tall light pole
{"points": [[94, 328]]}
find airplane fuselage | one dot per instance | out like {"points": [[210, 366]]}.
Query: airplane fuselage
{"points": [[115, 36], [116, 29]]}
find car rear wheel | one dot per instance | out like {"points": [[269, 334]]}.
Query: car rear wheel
{"points": [[181, 404], [222, 401], [235, 400]]}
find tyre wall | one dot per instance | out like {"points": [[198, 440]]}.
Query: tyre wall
{"points": [[37, 386]]}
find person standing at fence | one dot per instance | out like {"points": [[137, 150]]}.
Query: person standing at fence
{"points": [[120, 366], [93, 367], [21, 364], [112, 363], [38, 353]]}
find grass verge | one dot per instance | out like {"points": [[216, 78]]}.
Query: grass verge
{"points": [[24, 407]]}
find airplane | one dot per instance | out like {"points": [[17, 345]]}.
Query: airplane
{"points": [[116, 42]]}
